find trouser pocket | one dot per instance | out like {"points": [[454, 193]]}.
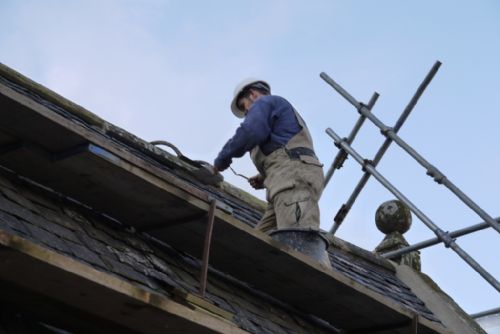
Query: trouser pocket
{"points": [[296, 208], [299, 207]]}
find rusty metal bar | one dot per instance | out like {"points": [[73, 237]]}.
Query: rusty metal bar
{"points": [[414, 324], [342, 155], [206, 247]]}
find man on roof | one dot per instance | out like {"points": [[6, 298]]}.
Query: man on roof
{"points": [[282, 150]]}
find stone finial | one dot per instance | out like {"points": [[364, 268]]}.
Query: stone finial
{"points": [[393, 218]]}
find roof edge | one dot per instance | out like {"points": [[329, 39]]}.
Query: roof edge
{"points": [[350, 248], [116, 292], [121, 134], [440, 303], [52, 96]]}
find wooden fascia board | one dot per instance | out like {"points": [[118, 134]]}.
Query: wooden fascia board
{"points": [[172, 183]]}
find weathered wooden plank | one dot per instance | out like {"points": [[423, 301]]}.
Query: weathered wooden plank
{"points": [[290, 276], [106, 188]]}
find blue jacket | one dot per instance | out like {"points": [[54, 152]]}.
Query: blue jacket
{"points": [[270, 122]]}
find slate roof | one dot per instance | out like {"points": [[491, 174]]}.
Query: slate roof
{"points": [[105, 244], [74, 231], [378, 279], [374, 277]]}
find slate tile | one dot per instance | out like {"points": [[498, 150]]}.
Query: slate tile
{"points": [[45, 237], [188, 281], [94, 245], [127, 256], [37, 220], [244, 322], [83, 253], [16, 210], [130, 273], [136, 243], [75, 216], [220, 302], [159, 264], [42, 201], [105, 238], [59, 231], [119, 267], [135, 257], [13, 223], [58, 218], [18, 198], [162, 280]]}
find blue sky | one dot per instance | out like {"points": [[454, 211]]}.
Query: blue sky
{"points": [[167, 70]]}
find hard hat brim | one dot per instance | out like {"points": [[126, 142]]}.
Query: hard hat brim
{"points": [[239, 88], [234, 108]]}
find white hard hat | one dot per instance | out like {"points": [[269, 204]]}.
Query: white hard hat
{"points": [[239, 89]]}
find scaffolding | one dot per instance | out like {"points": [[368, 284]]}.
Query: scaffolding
{"points": [[369, 169]]}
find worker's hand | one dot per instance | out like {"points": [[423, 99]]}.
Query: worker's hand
{"points": [[216, 170], [257, 181]]}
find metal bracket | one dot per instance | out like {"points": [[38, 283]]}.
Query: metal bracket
{"points": [[339, 217], [435, 174], [361, 106], [340, 159], [338, 143], [446, 238], [386, 130], [366, 163], [342, 155]]}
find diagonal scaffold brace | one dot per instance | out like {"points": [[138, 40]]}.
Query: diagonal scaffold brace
{"points": [[432, 171], [367, 166], [364, 111], [341, 156]]}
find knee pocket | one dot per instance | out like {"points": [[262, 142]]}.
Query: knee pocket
{"points": [[299, 205]]}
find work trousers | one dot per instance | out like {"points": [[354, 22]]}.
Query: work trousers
{"points": [[294, 187]]}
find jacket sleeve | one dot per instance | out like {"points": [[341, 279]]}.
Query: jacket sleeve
{"points": [[254, 130]]}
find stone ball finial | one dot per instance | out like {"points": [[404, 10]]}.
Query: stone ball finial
{"points": [[393, 216]]}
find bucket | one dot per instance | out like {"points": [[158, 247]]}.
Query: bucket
{"points": [[305, 240]]}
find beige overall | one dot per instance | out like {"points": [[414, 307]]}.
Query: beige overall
{"points": [[293, 186]]}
